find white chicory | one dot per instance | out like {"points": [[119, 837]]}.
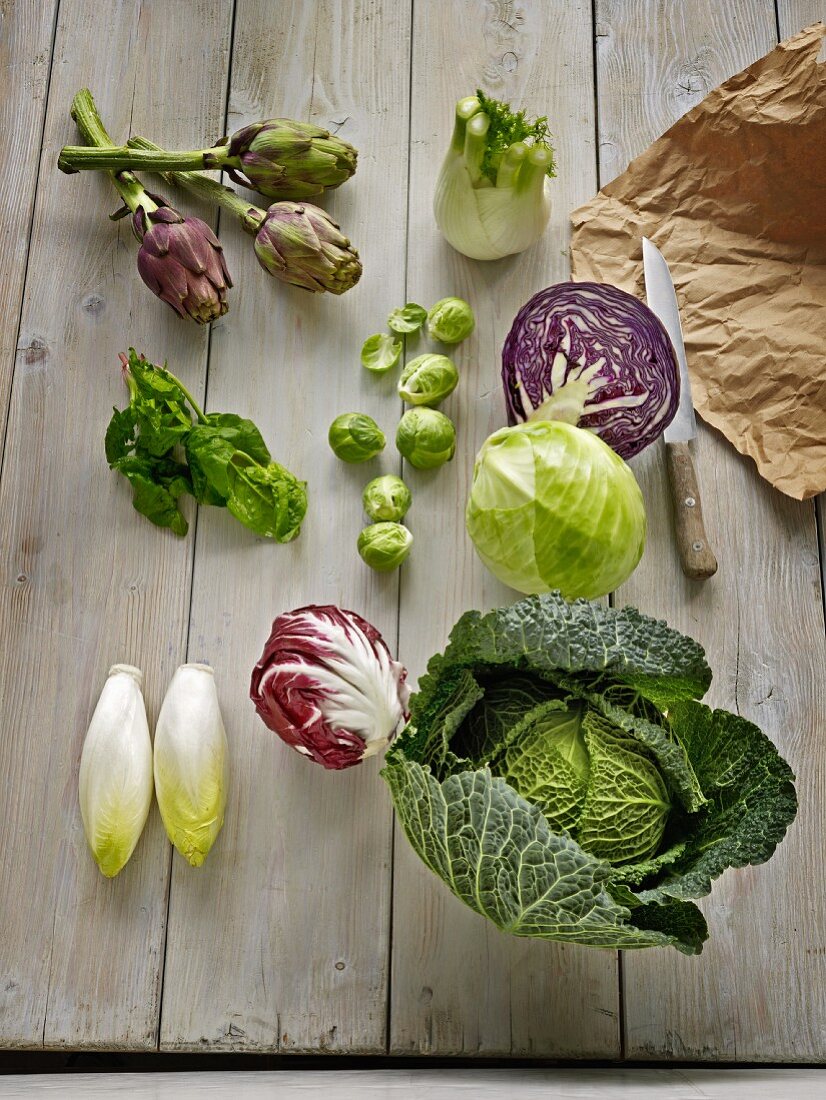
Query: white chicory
{"points": [[115, 780], [192, 762]]}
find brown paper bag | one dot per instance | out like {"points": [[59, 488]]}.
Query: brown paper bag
{"points": [[734, 195]]}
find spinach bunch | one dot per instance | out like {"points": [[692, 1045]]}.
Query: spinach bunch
{"points": [[165, 446]]}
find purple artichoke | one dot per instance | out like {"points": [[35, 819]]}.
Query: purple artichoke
{"points": [[182, 261], [302, 245]]}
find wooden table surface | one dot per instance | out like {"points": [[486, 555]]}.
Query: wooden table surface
{"points": [[312, 926]]}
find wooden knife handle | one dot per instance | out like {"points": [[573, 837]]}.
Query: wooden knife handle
{"points": [[696, 557]]}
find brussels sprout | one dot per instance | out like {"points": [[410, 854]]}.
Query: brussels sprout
{"points": [[426, 438], [384, 546], [386, 498], [409, 318], [380, 352], [428, 380], [355, 437], [450, 321]]}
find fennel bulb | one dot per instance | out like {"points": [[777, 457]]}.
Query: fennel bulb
{"points": [[191, 762], [115, 781], [491, 196]]}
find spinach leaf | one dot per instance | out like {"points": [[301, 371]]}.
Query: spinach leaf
{"points": [[209, 447], [268, 499], [228, 462], [160, 407], [156, 487], [120, 435]]}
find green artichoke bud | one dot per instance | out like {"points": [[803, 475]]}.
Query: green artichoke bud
{"points": [[426, 438], [450, 321], [428, 380], [386, 499], [384, 546], [279, 158], [302, 245], [355, 437], [283, 159]]}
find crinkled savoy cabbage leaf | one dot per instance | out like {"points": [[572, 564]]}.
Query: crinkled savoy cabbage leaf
{"points": [[505, 673], [496, 852]]}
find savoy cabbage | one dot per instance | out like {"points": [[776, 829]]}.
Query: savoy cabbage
{"points": [[561, 777]]}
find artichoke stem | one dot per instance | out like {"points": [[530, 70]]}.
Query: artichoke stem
{"points": [[211, 190], [79, 158], [85, 114]]}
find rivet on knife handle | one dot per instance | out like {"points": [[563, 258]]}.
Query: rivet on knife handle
{"points": [[696, 557]]}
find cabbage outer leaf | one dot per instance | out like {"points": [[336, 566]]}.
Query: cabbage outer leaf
{"points": [[497, 854], [751, 796], [547, 634]]}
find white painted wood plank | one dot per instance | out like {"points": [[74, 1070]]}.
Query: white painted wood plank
{"points": [[436, 1084], [794, 15], [26, 31], [280, 941], [460, 986], [85, 581], [758, 991]]}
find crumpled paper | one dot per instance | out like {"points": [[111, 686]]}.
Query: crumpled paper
{"points": [[734, 195]]}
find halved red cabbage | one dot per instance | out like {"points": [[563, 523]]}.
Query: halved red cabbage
{"points": [[615, 350], [327, 685]]}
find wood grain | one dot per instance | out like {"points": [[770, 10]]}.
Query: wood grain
{"points": [[794, 15], [26, 31], [281, 940], [85, 581], [460, 986], [758, 991]]}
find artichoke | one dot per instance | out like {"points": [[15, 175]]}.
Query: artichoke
{"points": [[302, 245], [296, 242], [279, 158], [182, 261], [283, 159]]}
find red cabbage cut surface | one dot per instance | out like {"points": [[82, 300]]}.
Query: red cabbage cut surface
{"points": [[597, 334]]}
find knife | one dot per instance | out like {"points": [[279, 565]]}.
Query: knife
{"points": [[696, 556]]}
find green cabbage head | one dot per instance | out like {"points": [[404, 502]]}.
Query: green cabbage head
{"points": [[560, 775], [553, 507]]}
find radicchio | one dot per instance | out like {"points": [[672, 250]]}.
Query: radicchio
{"points": [[609, 354], [327, 685]]}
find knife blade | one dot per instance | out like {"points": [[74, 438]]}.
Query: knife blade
{"points": [[696, 557]]}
